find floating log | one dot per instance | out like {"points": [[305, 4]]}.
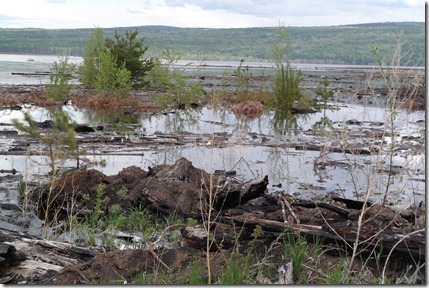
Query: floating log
{"points": [[347, 150], [31, 73]]}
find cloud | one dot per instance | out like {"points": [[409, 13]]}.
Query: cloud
{"points": [[134, 11], [56, 1], [205, 13]]}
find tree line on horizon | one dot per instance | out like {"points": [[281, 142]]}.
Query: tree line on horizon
{"points": [[348, 44]]}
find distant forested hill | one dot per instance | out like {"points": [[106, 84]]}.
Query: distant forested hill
{"points": [[350, 44]]}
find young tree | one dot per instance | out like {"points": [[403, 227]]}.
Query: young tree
{"points": [[59, 140], [91, 59], [61, 73], [128, 49], [112, 79]]}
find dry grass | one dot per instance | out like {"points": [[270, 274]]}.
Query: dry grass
{"points": [[249, 110], [98, 101]]}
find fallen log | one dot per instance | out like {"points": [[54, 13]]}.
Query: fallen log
{"points": [[26, 259], [413, 246], [312, 204]]}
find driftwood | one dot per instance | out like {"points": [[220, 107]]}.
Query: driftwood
{"points": [[347, 150], [27, 259]]}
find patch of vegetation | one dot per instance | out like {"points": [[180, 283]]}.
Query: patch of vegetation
{"points": [[114, 66], [128, 52], [61, 73], [172, 81]]}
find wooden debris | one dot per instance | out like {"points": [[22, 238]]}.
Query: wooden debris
{"points": [[27, 259], [284, 200]]}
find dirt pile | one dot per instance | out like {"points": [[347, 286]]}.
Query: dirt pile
{"points": [[179, 189]]}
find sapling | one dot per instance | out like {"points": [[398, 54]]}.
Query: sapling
{"points": [[59, 140]]}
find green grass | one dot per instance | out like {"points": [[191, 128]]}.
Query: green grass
{"points": [[236, 270]]}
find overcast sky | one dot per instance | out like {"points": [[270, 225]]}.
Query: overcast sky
{"points": [[204, 13]]}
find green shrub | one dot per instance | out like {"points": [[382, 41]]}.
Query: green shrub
{"points": [[164, 75], [111, 79], [61, 73], [90, 66], [128, 51]]}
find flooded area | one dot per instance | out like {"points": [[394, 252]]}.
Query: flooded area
{"points": [[350, 146], [217, 140], [137, 166]]}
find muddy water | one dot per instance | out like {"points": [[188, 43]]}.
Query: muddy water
{"points": [[251, 148]]}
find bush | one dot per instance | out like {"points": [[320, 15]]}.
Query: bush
{"points": [[110, 78], [114, 66], [173, 80]]}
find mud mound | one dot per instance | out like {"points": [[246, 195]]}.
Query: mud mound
{"points": [[180, 189]]}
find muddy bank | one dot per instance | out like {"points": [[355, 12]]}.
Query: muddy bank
{"points": [[183, 190]]}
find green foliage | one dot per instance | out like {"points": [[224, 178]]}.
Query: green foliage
{"points": [[91, 62], [286, 80], [196, 273], [286, 87], [61, 73], [111, 79], [244, 77], [338, 274], [99, 203], [60, 139], [159, 77], [257, 236], [296, 249], [281, 46], [324, 92], [22, 187], [113, 67], [236, 270], [164, 75], [128, 51], [122, 193]]}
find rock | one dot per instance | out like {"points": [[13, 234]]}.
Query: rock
{"points": [[83, 129], [47, 124]]}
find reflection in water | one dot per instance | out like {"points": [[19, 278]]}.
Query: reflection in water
{"points": [[324, 121], [183, 121], [284, 122], [347, 174], [112, 120]]}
